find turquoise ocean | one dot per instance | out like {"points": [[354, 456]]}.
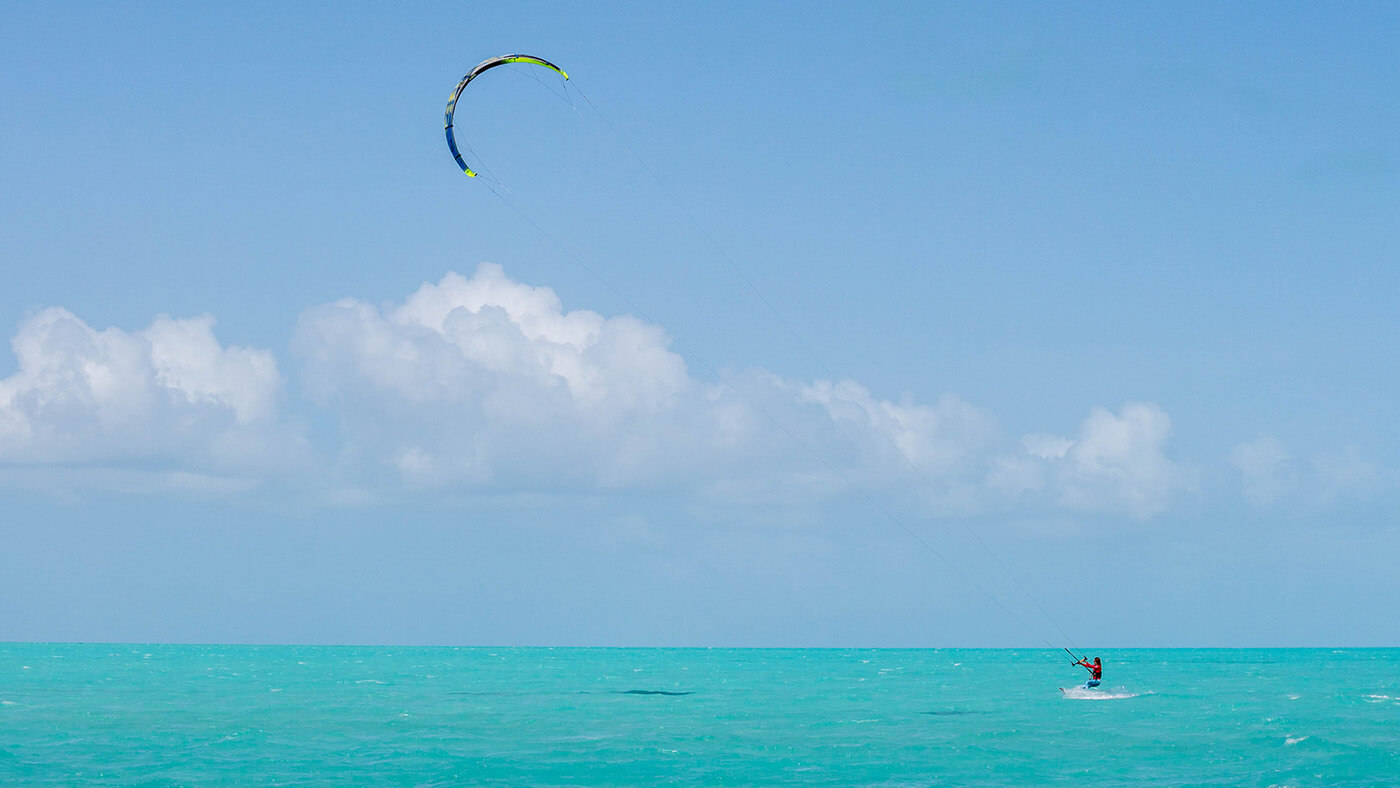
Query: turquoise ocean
{"points": [[184, 715]]}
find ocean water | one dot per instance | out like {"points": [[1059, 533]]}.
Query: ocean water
{"points": [[184, 715]]}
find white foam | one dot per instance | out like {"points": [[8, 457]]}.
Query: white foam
{"points": [[1290, 741], [1081, 693]]}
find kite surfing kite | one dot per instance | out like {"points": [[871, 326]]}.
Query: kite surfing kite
{"points": [[481, 68]]}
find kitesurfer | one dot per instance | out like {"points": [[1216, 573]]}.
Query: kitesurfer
{"points": [[1095, 669]]}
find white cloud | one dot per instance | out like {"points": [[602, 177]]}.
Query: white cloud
{"points": [[1270, 475], [1347, 474], [1015, 475], [487, 379], [487, 382], [1115, 464], [1266, 468], [1046, 447], [941, 439], [167, 395]]}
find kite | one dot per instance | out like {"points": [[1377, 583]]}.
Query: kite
{"points": [[482, 67]]}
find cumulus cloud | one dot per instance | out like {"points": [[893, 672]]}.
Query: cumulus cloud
{"points": [[489, 380], [1116, 463], [940, 440], [168, 394], [485, 380]]}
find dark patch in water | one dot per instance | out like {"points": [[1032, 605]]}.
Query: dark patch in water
{"points": [[651, 692]]}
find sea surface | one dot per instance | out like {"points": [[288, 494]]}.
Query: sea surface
{"points": [[190, 715]]}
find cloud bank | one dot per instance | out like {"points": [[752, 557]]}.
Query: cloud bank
{"points": [[486, 381], [484, 384]]}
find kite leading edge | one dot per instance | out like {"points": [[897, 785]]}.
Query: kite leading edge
{"points": [[483, 66]]}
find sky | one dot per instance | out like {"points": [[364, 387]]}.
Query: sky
{"points": [[786, 324]]}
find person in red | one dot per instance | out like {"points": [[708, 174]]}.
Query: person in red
{"points": [[1095, 671]]}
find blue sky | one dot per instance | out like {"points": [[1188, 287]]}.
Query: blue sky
{"points": [[1119, 281]]}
